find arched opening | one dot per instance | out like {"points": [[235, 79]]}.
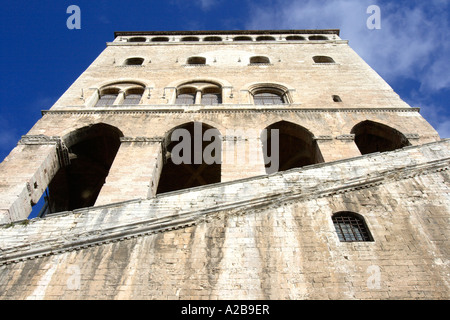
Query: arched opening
{"points": [[372, 137], [137, 39], [186, 95], [323, 59], [295, 38], [242, 38], [196, 60], [192, 157], [133, 96], [351, 227], [107, 97], [287, 145], [212, 38], [259, 60], [91, 152], [190, 39], [160, 39], [265, 38], [212, 96], [318, 38], [134, 61]]}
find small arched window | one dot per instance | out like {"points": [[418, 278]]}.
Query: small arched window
{"points": [[323, 59], [259, 60], [318, 38], [242, 38], [351, 227], [107, 97], [211, 96], [265, 38], [196, 60], [336, 98], [186, 96], [212, 39], [295, 38], [191, 39], [133, 96], [137, 39], [134, 61], [265, 98], [160, 39]]}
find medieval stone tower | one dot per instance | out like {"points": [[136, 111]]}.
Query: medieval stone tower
{"points": [[311, 179]]}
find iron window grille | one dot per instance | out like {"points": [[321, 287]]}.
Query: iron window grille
{"points": [[351, 228], [106, 100], [267, 98]]}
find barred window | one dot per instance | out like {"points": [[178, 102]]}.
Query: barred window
{"points": [[264, 98], [133, 96], [211, 98], [185, 98], [351, 227], [107, 98]]}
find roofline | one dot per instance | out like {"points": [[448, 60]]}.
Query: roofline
{"points": [[222, 32]]}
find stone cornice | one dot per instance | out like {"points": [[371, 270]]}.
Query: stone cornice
{"points": [[226, 110], [223, 32], [69, 231]]}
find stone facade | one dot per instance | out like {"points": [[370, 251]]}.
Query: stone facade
{"points": [[248, 234]]}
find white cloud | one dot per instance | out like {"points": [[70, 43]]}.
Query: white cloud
{"points": [[407, 45], [411, 44]]}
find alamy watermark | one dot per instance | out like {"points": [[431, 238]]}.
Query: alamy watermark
{"points": [[374, 21], [242, 146], [74, 21]]}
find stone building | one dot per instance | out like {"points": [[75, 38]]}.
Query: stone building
{"points": [[324, 184]]}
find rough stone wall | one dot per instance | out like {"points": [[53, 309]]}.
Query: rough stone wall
{"points": [[277, 246]]}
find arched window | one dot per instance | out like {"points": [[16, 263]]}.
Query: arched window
{"points": [[134, 61], [190, 39], [107, 97], [259, 60], [295, 38], [91, 151], [137, 39], [196, 60], [287, 145], [211, 96], [242, 38], [206, 93], [192, 157], [160, 39], [212, 38], [351, 227], [186, 96], [323, 59], [133, 96], [372, 137], [265, 38], [318, 38]]}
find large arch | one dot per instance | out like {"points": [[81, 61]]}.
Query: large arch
{"points": [[287, 145], [192, 157], [91, 151], [371, 136]]}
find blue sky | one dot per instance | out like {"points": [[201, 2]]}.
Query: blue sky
{"points": [[41, 57]]}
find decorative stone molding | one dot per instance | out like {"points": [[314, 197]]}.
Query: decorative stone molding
{"points": [[38, 139], [141, 139], [412, 136], [323, 138], [346, 137]]}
